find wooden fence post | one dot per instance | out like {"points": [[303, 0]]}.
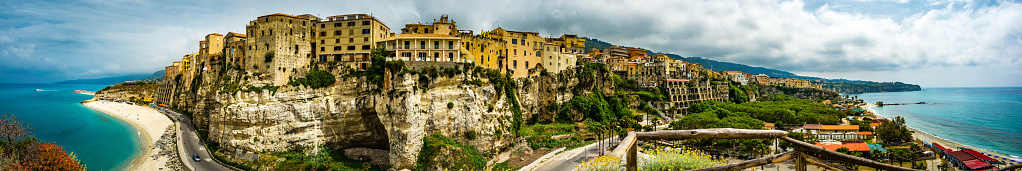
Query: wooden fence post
{"points": [[800, 162], [633, 161]]}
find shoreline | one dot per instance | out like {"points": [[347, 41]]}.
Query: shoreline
{"points": [[148, 130], [930, 138]]}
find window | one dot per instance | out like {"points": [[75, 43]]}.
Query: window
{"points": [[514, 64], [450, 44], [337, 33], [323, 26], [422, 44], [515, 52], [365, 22], [351, 47], [436, 55], [406, 44], [365, 39], [422, 56], [351, 23], [271, 32], [365, 31], [436, 44], [322, 49], [514, 41], [351, 32], [537, 54], [406, 54], [338, 24], [322, 42], [322, 33], [365, 47], [351, 40], [338, 48], [450, 57], [526, 64]]}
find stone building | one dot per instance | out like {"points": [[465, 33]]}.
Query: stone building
{"points": [[349, 39], [234, 49], [280, 45], [682, 93], [209, 48]]}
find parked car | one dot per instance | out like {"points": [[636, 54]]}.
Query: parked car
{"points": [[196, 157]]}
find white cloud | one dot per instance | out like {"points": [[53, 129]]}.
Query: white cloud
{"points": [[144, 36]]}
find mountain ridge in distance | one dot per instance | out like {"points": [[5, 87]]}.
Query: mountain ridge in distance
{"points": [[116, 79]]}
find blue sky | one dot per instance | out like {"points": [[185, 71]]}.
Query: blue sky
{"points": [[934, 43]]}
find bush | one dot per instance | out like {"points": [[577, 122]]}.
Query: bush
{"points": [[665, 158], [268, 57], [602, 163], [450, 105], [315, 79]]}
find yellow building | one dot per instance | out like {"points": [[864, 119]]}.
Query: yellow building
{"points": [[234, 49], [443, 26], [484, 52], [524, 51], [797, 83], [349, 39], [280, 45]]}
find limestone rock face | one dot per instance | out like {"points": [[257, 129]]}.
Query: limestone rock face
{"points": [[351, 114]]}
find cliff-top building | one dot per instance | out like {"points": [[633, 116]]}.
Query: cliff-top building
{"points": [[281, 45], [234, 49], [349, 39], [436, 42]]}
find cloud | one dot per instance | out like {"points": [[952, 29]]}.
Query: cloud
{"points": [[109, 37]]}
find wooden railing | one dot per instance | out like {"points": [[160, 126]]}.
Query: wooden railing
{"points": [[804, 153]]}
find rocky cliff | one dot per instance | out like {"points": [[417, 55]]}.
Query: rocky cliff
{"points": [[351, 113]]}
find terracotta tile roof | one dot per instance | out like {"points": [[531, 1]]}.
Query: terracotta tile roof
{"points": [[235, 34], [839, 127], [864, 133], [281, 14], [850, 146], [874, 124], [811, 126]]}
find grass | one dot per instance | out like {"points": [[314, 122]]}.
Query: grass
{"points": [[540, 135]]}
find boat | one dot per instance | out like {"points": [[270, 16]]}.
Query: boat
{"points": [[38, 89]]}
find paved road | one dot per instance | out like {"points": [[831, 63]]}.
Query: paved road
{"points": [[568, 159], [192, 145]]}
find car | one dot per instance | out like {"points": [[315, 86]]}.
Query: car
{"points": [[196, 157]]}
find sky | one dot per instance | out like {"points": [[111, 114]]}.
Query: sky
{"points": [[933, 43]]}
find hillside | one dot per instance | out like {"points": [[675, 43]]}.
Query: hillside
{"points": [[118, 79], [839, 85]]}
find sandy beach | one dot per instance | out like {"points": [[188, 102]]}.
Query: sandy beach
{"points": [[930, 138], [148, 121]]}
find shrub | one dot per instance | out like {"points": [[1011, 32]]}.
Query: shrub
{"points": [[602, 163], [268, 57], [450, 105], [666, 158], [316, 79]]}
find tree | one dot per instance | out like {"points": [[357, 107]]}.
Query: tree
{"points": [[20, 151], [894, 131]]}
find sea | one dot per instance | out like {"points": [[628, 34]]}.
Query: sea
{"points": [[984, 118], [100, 141]]}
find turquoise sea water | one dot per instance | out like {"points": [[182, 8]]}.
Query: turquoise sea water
{"points": [[100, 141], [985, 118]]}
